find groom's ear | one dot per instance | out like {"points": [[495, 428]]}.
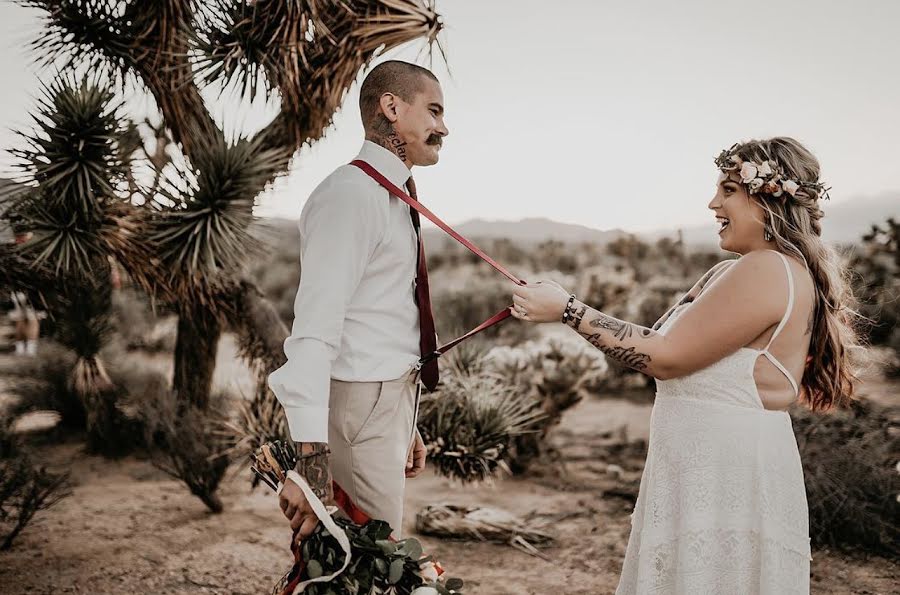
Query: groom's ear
{"points": [[388, 104]]}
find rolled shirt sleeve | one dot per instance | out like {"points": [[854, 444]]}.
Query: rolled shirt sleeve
{"points": [[340, 228]]}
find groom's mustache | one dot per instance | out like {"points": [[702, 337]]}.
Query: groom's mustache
{"points": [[435, 139]]}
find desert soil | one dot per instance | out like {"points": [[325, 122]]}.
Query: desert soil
{"points": [[129, 528]]}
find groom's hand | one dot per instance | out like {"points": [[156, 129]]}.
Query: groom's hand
{"points": [[415, 461], [313, 467]]}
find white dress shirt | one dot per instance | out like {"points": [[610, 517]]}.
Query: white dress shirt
{"points": [[355, 316]]}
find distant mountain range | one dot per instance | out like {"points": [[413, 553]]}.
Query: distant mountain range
{"points": [[528, 231], [844, 222]]}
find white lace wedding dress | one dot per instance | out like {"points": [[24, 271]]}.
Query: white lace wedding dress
{"points": [[722, 505]]}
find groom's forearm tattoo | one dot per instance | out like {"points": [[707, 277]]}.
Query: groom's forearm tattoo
{"points": [[312, 465]]}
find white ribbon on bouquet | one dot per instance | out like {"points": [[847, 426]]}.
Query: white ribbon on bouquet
{"points": [[325, 518]]}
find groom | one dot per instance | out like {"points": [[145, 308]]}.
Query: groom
{"points": [[362, 316]]}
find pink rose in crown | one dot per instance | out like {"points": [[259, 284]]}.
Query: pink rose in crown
{"points": [[748, 172]]}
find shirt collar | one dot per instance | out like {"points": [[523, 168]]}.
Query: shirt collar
{"points": [[385, 162]]}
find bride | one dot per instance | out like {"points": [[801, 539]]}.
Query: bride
{"points": [[722, 505]]}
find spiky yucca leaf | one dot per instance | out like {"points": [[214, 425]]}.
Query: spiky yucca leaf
{"points": [[202, 237], [75, 171], [467, 358], [470, 425], [309, 51], [87, 33], [73, 155]]}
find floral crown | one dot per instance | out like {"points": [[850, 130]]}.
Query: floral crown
{"points": [[765, 177]]}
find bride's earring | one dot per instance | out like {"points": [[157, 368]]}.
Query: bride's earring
{"points": [[767, 234]]}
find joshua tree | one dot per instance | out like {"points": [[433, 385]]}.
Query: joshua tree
{"points": [[189, 240]]}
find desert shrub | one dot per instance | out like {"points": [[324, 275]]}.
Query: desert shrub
{"points": [[137, 326], [462, 309], [25, 489], [553, 374], [183, 441], [469, 425], [852, 482], [45, 382], [51, 381], [254, 422], [876, 281], [278, 275]]}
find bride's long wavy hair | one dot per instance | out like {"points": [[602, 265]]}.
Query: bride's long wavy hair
{"points": [[795, 225]]}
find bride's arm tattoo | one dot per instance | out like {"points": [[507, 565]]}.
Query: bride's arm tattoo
{"points": [[312, 465], [617, 339]]}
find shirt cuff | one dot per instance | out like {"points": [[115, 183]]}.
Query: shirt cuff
{"points": [[307, 424]]}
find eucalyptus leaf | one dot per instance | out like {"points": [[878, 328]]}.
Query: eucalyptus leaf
{"points": [[414, 548], [396, 571], [314, 569], [388, 547]]}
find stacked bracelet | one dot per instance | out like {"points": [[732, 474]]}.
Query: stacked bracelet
{"points": [[567, 313]]}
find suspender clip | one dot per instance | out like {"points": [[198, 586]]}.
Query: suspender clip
{"points": [[427, 358]]}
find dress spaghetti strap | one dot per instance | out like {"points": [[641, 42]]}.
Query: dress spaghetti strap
{"points": [[784, 319]]}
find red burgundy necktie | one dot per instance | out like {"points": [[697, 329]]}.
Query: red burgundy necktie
{"points": [[427, 337]]}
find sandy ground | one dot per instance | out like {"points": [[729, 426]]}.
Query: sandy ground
{"points": [[127, 527]]}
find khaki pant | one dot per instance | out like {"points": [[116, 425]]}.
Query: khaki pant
{"points": [[371, 426]]}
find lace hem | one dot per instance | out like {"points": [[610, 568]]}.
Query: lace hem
{"points": [[715, 562]]}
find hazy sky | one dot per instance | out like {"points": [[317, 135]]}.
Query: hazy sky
{"points": [[608, 114]]}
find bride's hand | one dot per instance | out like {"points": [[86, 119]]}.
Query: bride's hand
{"points": [[543, 301]]}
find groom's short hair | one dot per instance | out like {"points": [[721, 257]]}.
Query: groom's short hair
{"points": [[394, 76]]}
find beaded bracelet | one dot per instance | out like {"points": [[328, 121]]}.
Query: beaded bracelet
{"points": [[567, 313]]}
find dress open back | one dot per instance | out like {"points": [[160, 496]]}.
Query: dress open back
{"points": [[722, 505]]}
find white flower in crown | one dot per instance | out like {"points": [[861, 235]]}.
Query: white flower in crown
{"points": [[764, 169], [790, 186], [425, 591], [755, 184], [748, 172]]}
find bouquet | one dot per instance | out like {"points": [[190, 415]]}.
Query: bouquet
{"points": [[354, 556]]}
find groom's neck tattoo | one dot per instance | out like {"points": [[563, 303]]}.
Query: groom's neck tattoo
{"points": [[314, 469], [386, 136]]}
